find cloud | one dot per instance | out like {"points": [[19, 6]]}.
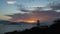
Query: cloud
{"points": [[31, 8], [55, 6], [5, 18], [41, 13], [11, 2], [57, 10], [34, 15], [23, 8]]}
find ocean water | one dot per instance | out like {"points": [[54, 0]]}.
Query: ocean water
{"points": [[10, 28]]}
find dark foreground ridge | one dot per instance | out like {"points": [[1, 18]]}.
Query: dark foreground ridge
{"points": [[53, 29]]}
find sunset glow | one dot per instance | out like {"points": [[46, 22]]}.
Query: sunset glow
{"points": [[31, 21], [28, 21]]}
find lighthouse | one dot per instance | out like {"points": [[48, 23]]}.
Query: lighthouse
{"points": [[38, 23]]}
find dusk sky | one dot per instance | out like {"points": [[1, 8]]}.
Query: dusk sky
{"points": [[23, 14], [32, 10]]}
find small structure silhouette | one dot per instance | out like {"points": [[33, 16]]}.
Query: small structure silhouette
{"points": [[38, 23]]}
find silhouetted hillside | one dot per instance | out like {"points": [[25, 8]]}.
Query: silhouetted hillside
{"points": [[56, 24], [55, 28], [12, 23], [5, 22], [30, 31]]}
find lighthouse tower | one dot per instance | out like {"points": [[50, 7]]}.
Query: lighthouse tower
{"points": [[38, 23]]}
